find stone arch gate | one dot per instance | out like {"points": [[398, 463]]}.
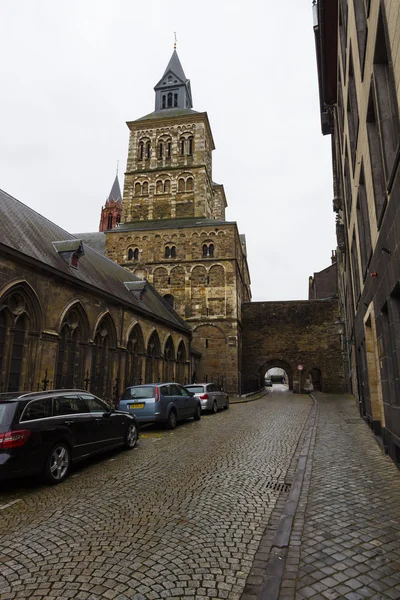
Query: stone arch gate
{"points": [[290, 333]]}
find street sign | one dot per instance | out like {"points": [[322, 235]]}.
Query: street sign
{"points": [[300, 367]]}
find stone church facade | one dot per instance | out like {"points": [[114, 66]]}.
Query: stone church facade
{"points": [[173, 231]]}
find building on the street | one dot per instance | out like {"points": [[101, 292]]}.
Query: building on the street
{"points": [[358, 58], [72, 318], [324, 284], [173, 231]]}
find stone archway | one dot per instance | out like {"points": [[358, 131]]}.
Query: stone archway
{"points": [[270, 364]]}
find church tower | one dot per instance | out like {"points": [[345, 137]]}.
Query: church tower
{"points": [[111, 213], [173, 230]]}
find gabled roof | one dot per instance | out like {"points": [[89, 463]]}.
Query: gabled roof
{"points": [[29, 235], [115, 193]]}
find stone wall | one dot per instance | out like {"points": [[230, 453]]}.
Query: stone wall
{"points": [[48, 301], [287, 334]]}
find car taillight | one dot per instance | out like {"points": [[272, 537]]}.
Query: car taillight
{"points": [[13, 439], [157, 394], [204, 397]]}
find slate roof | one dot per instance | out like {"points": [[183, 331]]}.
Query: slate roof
{"points": [[170, 224], [115, 193], [175, 66], [167, 113], [30, 234], [96, 240]]}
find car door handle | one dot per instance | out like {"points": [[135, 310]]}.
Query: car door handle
{"points": [[68, 422]]}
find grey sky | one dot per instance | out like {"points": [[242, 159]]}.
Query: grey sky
{"points": [[74, 71]]}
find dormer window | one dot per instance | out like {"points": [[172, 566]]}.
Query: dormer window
{"points": [[70, 251]]}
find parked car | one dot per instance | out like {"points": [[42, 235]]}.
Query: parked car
{"points": [[165, 403], [45, 432], [211, 396], [268, 383]]}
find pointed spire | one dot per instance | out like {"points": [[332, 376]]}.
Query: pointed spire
{"points": [[175, 67], [115, 193]]}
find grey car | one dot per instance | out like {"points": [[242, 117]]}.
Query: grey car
{"points": [[165, 403], [211, 396]]}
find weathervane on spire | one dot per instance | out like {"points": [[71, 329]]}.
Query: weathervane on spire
{"points": [[117, 167], [175, 40]]}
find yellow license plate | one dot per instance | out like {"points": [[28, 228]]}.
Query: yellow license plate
{"points": [[138, 405]]}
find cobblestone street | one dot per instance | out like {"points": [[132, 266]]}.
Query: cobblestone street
{"points": [[183, 515]]}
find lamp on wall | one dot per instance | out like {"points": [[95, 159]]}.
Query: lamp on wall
{"points": [[340, 330]]}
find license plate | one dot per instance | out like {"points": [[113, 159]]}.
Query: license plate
{"points": [[138, 405]]}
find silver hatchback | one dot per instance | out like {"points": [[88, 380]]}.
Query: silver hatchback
{"points": [[211, 396]]}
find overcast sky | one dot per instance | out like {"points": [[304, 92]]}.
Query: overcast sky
{"points": [[74, 71]]}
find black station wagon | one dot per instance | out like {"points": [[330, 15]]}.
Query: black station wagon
{"points": [[44, 432]]}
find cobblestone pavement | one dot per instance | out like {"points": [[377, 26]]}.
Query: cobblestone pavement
{"points": [[181, 516], [345, 539]]}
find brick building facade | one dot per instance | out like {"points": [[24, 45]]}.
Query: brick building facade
{"points": [[358, 57]]}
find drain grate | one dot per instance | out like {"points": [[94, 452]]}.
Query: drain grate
{"points": [[278, 486]]}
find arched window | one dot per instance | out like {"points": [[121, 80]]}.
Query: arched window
{"points": [[152, 359], [169, 358], [134, 358], [118, 219], [205, 250], [211, 250], [145, 188], [182, 146], [169, 148], [109, 221], [138, 189], [102, 363], [173, 252], [189, 184], [19, 317], [17, 352], [190, 146], [160, 150], [167, 252], [181, 364], [136, 254], [159, 187], [181, 184], [175, 100], [141, 151], [69, 373], [130, 254], [169, 99], [170, 299], [164, 101], [148, 149], [167, 186]]}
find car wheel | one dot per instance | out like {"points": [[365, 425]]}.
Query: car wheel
{"points": [[214, 407], [197, 414], [57, 463], [131, 436], [172, 420], [227, 403]]}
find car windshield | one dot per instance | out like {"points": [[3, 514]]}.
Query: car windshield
{"points": [[195, 389], [7, 410], [138, 392]]}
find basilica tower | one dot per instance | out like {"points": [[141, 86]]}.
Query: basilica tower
{"points": [[173, 230]]}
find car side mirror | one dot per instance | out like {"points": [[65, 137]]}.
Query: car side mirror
{"points": [[191, 394]]}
